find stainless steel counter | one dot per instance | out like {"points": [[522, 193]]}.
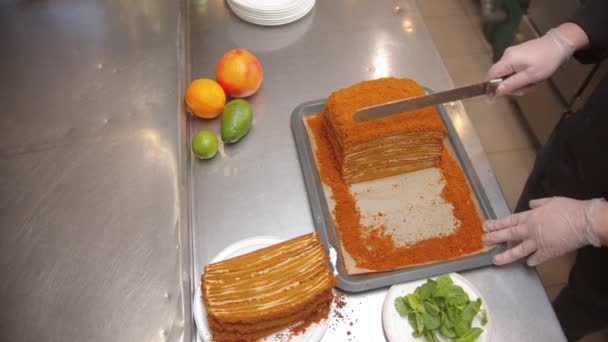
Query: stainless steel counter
{"points": [[106, 222], [255, 187], [91, 237]]}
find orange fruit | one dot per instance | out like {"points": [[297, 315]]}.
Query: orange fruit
{"points": [[205, 98], [239, 72]]}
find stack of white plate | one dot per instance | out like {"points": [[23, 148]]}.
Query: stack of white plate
{"points": [[271, 12]]}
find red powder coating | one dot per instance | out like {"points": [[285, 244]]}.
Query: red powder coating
{"points": [[376, 250]]}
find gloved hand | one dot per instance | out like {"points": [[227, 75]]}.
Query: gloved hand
{"points": [[554, 226], [531, 62]]}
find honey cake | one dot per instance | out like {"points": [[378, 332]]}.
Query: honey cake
{"points": [[256, 294], [389, 146]]}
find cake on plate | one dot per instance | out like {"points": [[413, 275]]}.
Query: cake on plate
{"points": [[256, 294]]}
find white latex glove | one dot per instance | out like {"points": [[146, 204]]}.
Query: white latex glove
{"points": [[531, 62], [554, 226]]}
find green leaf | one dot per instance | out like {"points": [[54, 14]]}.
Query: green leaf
{"points": [[414, 303], [443, 280], [426, 291], [402, 307], [447, 332], [419, 323], [453, 314], [456, 296], [470, 311], [440, 301], [431, 308], [430, 322], [470, 336], [446, 322], [430, 335], [453, 294], [484, 317], [461, 327], [411, 318]]}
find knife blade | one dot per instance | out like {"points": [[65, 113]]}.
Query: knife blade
{"points": [[412, 103]]}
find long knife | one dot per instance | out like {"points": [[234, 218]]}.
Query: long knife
{"points": [[412, 103]]}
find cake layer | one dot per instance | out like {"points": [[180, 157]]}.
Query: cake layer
{"points": [[392, 155], [269, 289], [229, 336], [239, 332], [395, 144]]}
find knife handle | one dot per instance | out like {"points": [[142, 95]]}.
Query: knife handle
{"points": [[493, 84]]}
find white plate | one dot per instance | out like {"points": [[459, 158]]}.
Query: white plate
{"points": [[268, 5], [313, 333], [272, 19], [292, 7], [240, 34], [397, 328], [284, 21]]}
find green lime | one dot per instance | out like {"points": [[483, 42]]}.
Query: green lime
{"points": [[236, 120], [204, 144]]}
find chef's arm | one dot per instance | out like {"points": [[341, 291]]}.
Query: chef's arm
{"points": [[536, 60], [574, 35], [601, 222], [552, 227], [592, 18], [585, 36]]}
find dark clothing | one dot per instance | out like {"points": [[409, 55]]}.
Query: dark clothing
{"points": [[591, 17], [574, 163], [582, 306]]}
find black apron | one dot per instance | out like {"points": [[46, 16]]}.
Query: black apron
{"points": [[574, 164]]}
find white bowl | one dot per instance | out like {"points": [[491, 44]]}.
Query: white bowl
{"points": [[398, 329]]}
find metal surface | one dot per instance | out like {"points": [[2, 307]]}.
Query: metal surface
{"points": [[91, 238], [430, 99], [255, 187], [323, 219]]}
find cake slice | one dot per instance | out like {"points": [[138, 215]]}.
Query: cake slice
{"points": [[262, 292], [384, 147]]}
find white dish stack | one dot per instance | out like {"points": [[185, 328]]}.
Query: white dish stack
{"points": [[271, 12]]}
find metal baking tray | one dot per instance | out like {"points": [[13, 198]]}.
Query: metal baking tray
{"points": [[324, 223]]}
